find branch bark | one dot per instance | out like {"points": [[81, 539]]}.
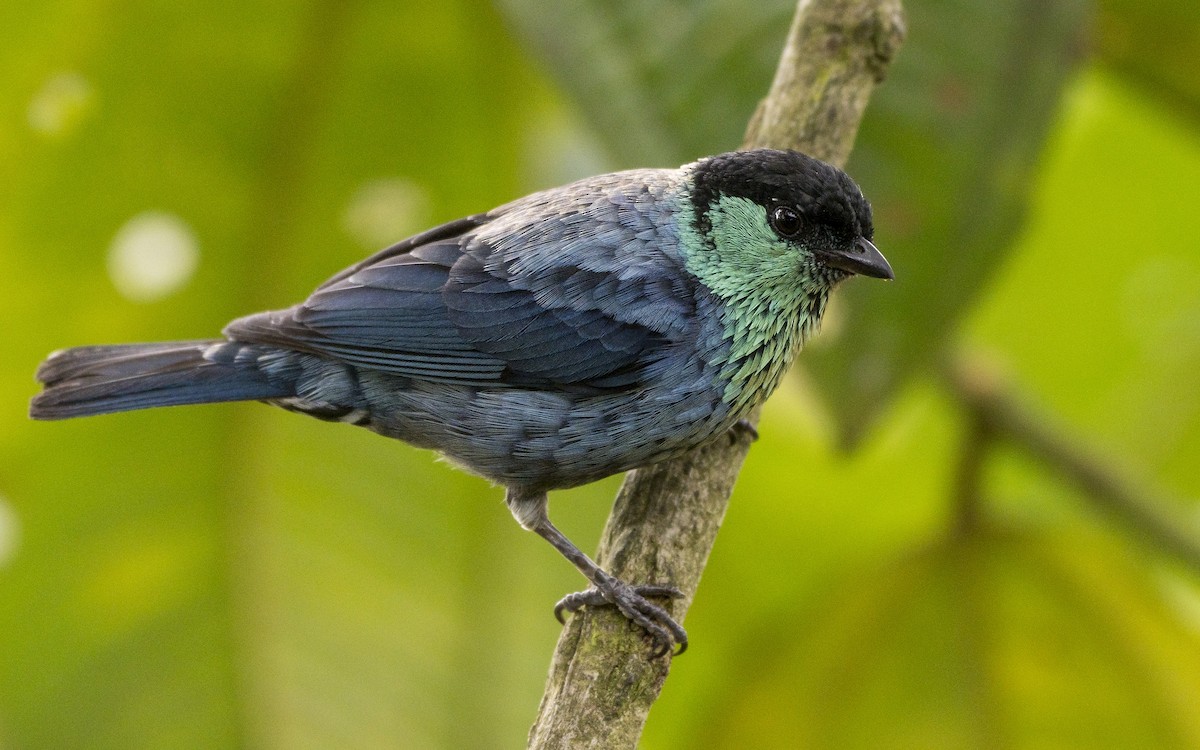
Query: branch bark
{"points": [[665, 519]]}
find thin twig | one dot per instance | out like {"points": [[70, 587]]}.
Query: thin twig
{"points": [[1153, 517], [968, 480]]}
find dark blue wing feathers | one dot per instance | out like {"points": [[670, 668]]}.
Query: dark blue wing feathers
{"points": [[552, 323], [568, 297]]}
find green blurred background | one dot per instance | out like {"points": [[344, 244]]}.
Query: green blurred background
{"points": [[234, 575]]}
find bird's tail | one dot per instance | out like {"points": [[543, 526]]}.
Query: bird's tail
{"points": [[102, 379]]}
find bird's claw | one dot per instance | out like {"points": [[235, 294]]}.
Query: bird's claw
{"points": [[631, 602]]}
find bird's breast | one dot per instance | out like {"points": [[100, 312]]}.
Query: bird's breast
{"points": [[763, 338]]}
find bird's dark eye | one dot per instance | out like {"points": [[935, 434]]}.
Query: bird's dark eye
{"points": [[786, 221]]}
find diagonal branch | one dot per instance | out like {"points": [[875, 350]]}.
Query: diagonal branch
{"points": [[1148, 515], [665, 519]]}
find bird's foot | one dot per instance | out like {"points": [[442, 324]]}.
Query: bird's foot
{"points": [[631, 601], [744, 426]]}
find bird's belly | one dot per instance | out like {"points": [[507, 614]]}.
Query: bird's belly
{"points": [[551, 440]]}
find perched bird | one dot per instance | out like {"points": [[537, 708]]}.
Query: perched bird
{"points": [[577, 332]]}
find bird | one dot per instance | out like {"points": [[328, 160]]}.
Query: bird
{"points": [[578, 332]]}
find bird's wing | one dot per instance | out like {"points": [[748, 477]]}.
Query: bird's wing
{"points": [[387, 315], [536, 292]]}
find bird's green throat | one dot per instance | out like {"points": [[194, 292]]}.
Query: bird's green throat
{"points": [[773, 299]]}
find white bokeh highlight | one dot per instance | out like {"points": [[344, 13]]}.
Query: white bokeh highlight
{"points": [[153, 255], [60, 104]]}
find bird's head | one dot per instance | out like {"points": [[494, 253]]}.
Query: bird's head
{"points": [[775, 218]]}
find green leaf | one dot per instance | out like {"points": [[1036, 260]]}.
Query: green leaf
{"points": [[1097, 316], [662, 82]]}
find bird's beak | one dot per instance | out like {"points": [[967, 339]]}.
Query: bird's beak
{"points": [[862, 258]]}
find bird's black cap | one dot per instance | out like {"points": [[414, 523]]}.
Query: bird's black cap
{"points": [[821, 192]]}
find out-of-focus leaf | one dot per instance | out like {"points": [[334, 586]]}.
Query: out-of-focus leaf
{"points": [[1154, 43], [1098, 313], [662, 82], [1015, 639], [947, 155]]}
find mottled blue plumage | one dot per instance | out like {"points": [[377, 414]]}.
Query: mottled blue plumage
{"points": [[571, 334]]}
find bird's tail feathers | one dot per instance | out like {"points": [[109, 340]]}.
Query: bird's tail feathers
{"points": [[91, 380]]}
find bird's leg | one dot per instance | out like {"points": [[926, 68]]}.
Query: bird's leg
{"points": [[607, 590], [744, 425]]}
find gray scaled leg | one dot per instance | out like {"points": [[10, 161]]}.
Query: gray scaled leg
{"points": [[607, 590]]}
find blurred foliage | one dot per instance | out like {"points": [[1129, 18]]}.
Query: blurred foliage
{"points": [[949, 148], [659, 81], [237, 576], [963, 115], [1154, 43]]}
